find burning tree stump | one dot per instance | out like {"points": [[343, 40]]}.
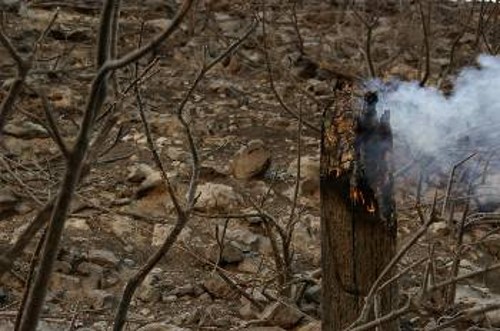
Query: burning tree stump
{"points": [[358, 224]]}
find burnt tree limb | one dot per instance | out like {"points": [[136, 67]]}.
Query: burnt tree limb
{"points": [[358, 223]]}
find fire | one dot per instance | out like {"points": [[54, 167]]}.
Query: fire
{"points": [[371, 208], [356, 195]]}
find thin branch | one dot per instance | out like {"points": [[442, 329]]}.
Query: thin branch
{"points": [[223, 273], [451, 291], [300, 41], [34, 260], [56, 134], [450, 181], [466, 315], [465, 276], [43, 216], [393, 315], [402, 273], [427, 46], [369, 25], [5, 41], [21, 182], [182, 215], [23, 68], [135, 55], [455, 44], [74, 167], [7, 258], [44, 33], [282, 103]]}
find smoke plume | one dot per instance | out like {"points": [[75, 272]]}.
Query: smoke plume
{"points": [[446, 128], [434, 131]]}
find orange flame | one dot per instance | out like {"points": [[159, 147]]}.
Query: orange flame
{"points": [[357, 195], [371, 208]]}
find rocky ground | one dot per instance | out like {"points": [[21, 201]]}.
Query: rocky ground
{"points": [[249, 146]]}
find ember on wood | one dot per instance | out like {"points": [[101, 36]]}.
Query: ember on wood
{"points": [[357, 206]]}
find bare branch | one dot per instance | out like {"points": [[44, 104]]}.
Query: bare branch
{"points": [[23, 68], [395, 314], [31, 273], [426, 31], [53, 126], [300, 41], [369, 25], [183, 215], [75, 164], [5, 41], [450, 181], [282, 103], [467, 314]]}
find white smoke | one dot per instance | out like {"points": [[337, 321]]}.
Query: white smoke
{"points": [[446, 128]]}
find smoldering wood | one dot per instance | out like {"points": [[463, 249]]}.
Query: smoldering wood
{"points": [[358, 222]]}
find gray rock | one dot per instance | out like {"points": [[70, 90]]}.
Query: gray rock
{"points": [[228, 24], [161, 232], [63, 267], [491, 245], [245, 239], [167, 126], [439, 229], [161, 327], [6, 325], [263, 328], [312, 326], [247, 311], [77, 224], [139, 172], [169, 7], [231, 254], [493, 318], [313, 294], [62, 282], [218, 288], [251, 265], [169, 298], [45, 326], [26, 130], [184, 290], [151, 181], [309, 174], [102, 300], [159, 23], [150, 290], [148, 177], [8, 201], [103, 258], [87, 269], [216, 197], [466, 294], [110, 279], [3, 296], [281, 314], [251, 160], [10, 5], [123, 227]]}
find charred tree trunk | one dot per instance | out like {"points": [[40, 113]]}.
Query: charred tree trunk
{"points": [[358, 224]]}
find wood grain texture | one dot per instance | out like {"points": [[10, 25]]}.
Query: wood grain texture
{"points": [[357, 207]]}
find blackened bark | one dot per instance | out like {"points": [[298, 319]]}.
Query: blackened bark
{"points": [[358, 224]]}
